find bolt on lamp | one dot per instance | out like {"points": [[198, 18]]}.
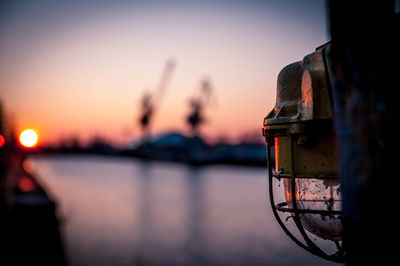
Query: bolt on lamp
{"points": [[302, 157]]}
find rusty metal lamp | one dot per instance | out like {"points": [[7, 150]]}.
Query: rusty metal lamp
{"points": [[302, 157]]}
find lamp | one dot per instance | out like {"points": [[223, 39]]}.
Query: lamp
{"points": [[302, 157]]}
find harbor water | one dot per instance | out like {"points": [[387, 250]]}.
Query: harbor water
{"points": [[123, 211]]}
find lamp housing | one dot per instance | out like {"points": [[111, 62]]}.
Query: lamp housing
{"points": [[302, 155]]}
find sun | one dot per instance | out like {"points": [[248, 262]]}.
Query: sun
{"points": [[28, 138]]}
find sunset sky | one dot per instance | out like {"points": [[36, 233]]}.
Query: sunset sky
{"points": [[80, 67]]}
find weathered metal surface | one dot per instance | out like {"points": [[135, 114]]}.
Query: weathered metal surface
{"points": [[288, 96], [300, 129], [363, 66], [302, 93]]}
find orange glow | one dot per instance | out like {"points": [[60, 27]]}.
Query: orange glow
{"points": [[2, 141], [307, 95], [26, 184], [28, 138], [288, 190], [28, 165], [276, 155]]}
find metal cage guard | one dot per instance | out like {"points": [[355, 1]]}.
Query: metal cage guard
{"points": [[310, 246]]}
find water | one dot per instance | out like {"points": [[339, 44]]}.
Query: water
{"points": [[128, 212]]}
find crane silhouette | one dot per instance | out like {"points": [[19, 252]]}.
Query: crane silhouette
{"points": [[197, 103], [150, 101]]}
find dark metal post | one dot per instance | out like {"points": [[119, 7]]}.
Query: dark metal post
{"points": [[364, 67]]}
